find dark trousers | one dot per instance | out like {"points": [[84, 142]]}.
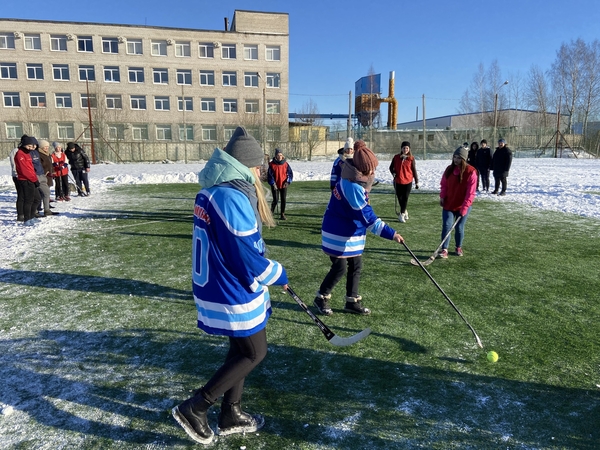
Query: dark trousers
{"points": [[81, 177], [244, 355], [500, 180], [20, 198], [276, 193], [402, 193], [61, 186], [485, 179], [339, 266], [31, 199]]}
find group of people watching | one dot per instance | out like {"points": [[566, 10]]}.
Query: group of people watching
{"points": [[35, 170]]}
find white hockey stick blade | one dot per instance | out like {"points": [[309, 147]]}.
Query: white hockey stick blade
{"points": [[425, 263], [344, 342]]}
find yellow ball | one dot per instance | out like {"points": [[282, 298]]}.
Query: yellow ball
{"points": [[492, 357]]}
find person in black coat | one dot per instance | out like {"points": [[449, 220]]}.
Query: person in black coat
{"points": [[501, 162], [472, 159], [80, 166], [483, 162]]}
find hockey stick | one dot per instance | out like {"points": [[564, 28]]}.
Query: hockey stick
{"points": [[333, 338], [444, 294], [437, 251], [71, 178]]}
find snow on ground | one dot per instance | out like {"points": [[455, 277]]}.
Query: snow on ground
{"points": [[565, 185]]}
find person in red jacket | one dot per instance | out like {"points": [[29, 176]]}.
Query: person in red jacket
{"points": [[28, 179], [404, 170], [457, 191], [279, 176], [61, 173]]}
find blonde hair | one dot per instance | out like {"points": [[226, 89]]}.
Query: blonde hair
{"points": [[263, 208]]}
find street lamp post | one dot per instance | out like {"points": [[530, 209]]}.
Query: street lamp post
{"points": [[496, 110]]}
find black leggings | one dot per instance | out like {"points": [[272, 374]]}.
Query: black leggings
{"points": [[276, 193], [337, 271], [402, 193], [245, 353]]}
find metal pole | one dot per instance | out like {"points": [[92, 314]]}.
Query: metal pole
{"points": [[495, 117], [89, 100], [424, 131], [349, 124]]}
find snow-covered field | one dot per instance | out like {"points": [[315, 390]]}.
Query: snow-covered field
{"points": [[564, 185]]}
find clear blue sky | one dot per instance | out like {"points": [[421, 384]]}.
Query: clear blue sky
{"points": [[435, 47]]}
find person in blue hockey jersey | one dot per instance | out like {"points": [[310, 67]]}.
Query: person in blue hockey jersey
{"points": [[336, 170], [230, 278], [345, 224]]}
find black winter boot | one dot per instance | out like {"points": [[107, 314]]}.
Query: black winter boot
{"points": [[191, 415], [354, 306], [233, 420]]}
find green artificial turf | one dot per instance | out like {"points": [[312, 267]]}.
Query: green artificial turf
{"points": [[99, 337]]}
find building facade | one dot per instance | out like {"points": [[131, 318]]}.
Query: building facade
{"points": [[145, 83]]}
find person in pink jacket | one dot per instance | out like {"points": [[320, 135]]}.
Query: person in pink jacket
{"points": [[457, 191]]}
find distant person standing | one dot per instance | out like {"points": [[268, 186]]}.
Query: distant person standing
{"points": [[46, 182], [344, 153], [404, 170], [279, 177], [483, 164], [42, 181], [501, 162], [15, 178], [457, 191], [80, 167], [28, 179], [61, 173]]}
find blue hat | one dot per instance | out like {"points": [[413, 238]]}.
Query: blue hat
{"points": [[28, 140], [277, 151], [501, 141]]}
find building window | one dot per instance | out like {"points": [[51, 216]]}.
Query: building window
{"points": [[110, 45], [273, 80], [230, 105], [161, 76], [63, 100], [114, 101], [85, 44], [89, 99], [161, 103], [87, 73], [163, 132], [252, 106], [229, 79], [134, 47], [273, 106], [37, 99], [251, 52], [35, 72], [40, 130], [158, 48], [12, 99], [207, 78], [206, 50], [66, 131], [61, 72], [58, 43], [14, 130], [139, 132], [273, 53], [184, 77], [186, 132], [138, 102], [116, 131], [32, 42], [136, 74], [273, 134], [228, 51], [8, 71], [111, 74], [183, 49], [7, 41], [228, 132], [251, 79], [185, 103], [209, 132], [207, 105]]}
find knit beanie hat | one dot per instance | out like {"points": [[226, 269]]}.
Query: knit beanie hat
{"points": [[277, 151], [405, 144], [70, 145], [349, 144], [56, 145], [364, 159], [244, 148], [43, 143], [28, 140], [463, 152], [501, 141]]}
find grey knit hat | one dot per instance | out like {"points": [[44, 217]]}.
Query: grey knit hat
{"points": [[57, 144], [245, 148], [462, 152]]}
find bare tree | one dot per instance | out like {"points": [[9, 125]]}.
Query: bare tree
{"points": [[538, 94], [312, 132], [590, 90]]}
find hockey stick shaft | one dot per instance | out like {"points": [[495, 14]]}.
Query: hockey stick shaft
{"points": [[330, 335], [444, 294], [437, 250]]}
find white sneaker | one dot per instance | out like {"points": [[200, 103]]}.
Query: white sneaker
{"points": [[401, 218], [406, 215]]}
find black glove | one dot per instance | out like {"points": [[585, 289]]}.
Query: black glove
{"points": [[37, 184], [416, 185]]}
